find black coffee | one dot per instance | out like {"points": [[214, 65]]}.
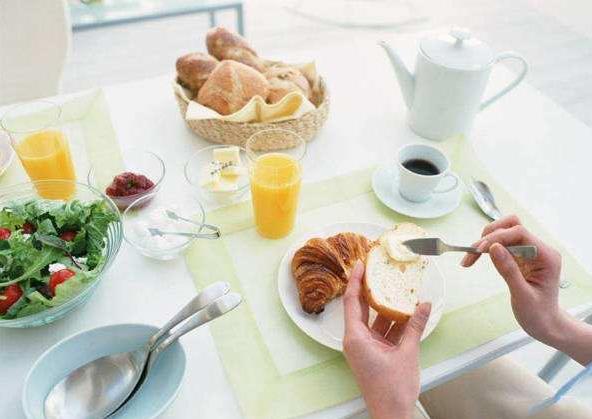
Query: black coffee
{"points": [[421, 167]]}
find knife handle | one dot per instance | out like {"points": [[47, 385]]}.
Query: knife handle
{"points": [[525, 252]]}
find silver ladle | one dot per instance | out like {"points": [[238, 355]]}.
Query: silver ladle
{"points": [[99, 388]]}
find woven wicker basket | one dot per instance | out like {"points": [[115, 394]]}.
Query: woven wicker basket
{"points": [[237, 133]]}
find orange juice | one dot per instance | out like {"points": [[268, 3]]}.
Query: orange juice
{"points": [[46, 155], [275, 186]]}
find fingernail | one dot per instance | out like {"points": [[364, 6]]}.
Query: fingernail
{"points": [[424, 309], [464, 261], [497, 251], [483, 246]]}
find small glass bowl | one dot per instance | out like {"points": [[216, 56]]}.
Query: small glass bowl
{"points": [[202, 158], [109, 165], [148, 212]]}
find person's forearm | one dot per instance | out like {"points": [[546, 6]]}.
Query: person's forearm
{"points": [[574, 338], [382, 414], [385, 409]]}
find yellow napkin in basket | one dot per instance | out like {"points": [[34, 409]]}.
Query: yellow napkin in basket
{"points": [[292, 106]]}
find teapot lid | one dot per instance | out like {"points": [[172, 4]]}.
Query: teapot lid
{"points": [[458, 50]]}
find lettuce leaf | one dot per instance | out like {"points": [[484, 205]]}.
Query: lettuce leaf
{"points": [[25, 260]]}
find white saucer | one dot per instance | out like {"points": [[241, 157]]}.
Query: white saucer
{"points": [[385, 185], [328, 328]]}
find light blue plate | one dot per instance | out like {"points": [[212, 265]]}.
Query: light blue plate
{"points": [[385, 181], [157, 393]]}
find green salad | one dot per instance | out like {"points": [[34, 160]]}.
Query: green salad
{"points": [[49, 252]]}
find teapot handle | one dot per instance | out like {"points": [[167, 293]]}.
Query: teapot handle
{"points": [[514, 83]]}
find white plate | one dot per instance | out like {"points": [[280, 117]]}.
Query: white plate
{"points": [[385, 185], [327, 328]]}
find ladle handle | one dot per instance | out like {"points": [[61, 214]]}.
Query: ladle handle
{"points": [[203, 299], [216, 309]]}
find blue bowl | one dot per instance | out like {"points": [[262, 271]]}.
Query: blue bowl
{"points": [[159, 390]]}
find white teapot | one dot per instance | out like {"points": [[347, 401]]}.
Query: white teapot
{"points": [[451, 72]]}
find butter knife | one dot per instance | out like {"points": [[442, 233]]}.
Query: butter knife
{"points": [[436, 247]]}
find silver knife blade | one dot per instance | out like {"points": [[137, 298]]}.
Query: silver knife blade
{"points": [[428, 247]]}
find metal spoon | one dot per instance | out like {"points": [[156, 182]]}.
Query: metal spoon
{"points": [[97, 389], [216, 309], [484, 199]]}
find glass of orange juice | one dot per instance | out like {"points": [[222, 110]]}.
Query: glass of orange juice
{"points": [[275, 180], [42, 147]]}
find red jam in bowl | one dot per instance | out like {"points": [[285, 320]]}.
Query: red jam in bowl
{"points": [[127, 187]]}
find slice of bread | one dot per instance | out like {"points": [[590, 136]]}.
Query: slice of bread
{"points": [[392, 286]]}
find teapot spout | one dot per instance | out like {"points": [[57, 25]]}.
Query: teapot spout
{"points": [[404, 76]]}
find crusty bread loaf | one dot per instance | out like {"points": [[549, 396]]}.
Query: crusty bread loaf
{"points": [[225, 45], [230, 86], [283, 80], [194, 69], [391, 286]]}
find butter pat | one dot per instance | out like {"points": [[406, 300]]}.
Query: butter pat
{"points": [[393, 243], [229, 157]]}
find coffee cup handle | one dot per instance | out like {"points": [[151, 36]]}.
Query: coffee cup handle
{"points": [[449, 188]]}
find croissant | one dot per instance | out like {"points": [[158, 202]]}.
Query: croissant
{"points": [[321, 268]]}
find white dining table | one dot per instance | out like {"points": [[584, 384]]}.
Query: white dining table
{"points": [[536, 150]]}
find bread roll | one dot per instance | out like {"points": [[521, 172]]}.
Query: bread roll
{"points": [[226, 45], [284, 80], [230, 86], [392, 286], [194, 69]]}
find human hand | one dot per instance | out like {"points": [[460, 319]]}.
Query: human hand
{"points": [[533, 284], [384, 358]]}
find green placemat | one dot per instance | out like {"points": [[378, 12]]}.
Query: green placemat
{"points": [[86, 123], [276, 370]]}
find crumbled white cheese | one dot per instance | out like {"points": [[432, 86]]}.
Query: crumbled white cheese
{"points": [[56, 267], [26, 236], [81, 260], [158, 218]]}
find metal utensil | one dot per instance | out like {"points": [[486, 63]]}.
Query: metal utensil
{"points": [[210, 236], [435, 247], [484, 199], [174, 216], [219, 307], [97, 389], [58, 243]]}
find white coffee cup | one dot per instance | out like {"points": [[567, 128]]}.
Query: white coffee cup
{"points": [[416, 187]]}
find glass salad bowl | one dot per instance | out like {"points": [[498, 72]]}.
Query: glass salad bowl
{"points": [[74, 203], [108, 165]]}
